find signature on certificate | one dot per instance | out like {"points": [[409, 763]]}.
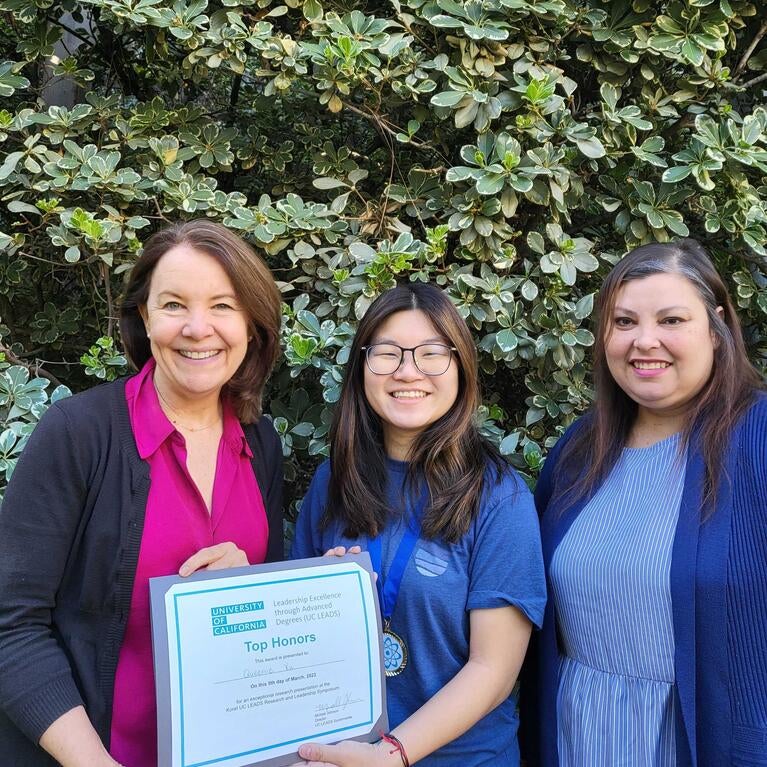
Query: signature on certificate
{"points": [[339, 704]]}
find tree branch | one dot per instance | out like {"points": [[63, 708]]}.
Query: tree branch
{"points": [[234, 96], [383, 124], [113, 51], [159, 210], [754, 258], [755, 81], [110, 302], [34, 369], [747, 55], [74, 33]]}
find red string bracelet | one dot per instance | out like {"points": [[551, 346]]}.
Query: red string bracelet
{"points": [[394, 741]]}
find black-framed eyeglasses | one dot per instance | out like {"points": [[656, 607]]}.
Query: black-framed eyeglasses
{"points": [[429, 359]]}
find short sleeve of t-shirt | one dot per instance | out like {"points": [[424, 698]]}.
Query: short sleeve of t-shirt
{"points": [[506, 563]]}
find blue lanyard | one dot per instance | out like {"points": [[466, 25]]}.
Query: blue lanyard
{"points": [[388, 588]]}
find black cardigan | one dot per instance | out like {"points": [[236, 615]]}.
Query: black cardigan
{"points": [[70, 531]]}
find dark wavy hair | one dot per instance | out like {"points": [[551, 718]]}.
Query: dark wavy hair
{"points": [[449, 456], [716, 409], [255, 290]]}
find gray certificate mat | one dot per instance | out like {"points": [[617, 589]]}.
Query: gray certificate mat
{"points": [[253, 661]]}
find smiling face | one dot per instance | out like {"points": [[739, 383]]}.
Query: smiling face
{"points": [[197, 329], [659, 347], [407, 401]]}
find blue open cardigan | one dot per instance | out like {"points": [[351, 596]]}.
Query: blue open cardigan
{"points": [[719, 601]]}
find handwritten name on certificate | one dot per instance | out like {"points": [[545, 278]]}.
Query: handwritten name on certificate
{"points": [[252, 662]]}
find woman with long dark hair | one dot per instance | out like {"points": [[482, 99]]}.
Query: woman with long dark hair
{"points": [[450, 528], [654, 526]]}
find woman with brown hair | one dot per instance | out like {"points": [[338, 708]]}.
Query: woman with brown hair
{"points": [[171, 470], [451, 531], [654, 524]]}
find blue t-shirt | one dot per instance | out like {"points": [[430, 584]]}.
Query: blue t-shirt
{"points": [[497, 563]]}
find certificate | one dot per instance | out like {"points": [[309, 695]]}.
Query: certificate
{"points": [[254, 661]]}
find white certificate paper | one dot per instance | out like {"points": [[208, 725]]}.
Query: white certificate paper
{"points": [[252, 662]]}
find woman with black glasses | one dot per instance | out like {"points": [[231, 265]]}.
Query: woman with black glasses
{"points": [[451, 530]]}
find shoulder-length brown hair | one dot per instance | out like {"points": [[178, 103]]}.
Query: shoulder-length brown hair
{"points": [[255, 290], [716, 409], [449, 456]]}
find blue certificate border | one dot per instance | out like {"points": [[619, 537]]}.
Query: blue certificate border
{"points": [[178, 597]]}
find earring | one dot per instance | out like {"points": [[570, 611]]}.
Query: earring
{"points": [[148, 334]]}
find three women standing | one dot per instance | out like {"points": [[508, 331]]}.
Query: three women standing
{"points": [[654, 643]]}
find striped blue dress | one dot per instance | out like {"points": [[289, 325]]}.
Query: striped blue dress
{"points": [[610, 580]]}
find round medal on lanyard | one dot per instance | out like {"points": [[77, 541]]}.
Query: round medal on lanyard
{"points": [[394, 651]]}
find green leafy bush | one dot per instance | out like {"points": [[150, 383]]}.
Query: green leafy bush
{"points": [[22, 402], [508, 150]]}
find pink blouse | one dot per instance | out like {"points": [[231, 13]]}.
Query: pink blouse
{"points": [[177, 525]]}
